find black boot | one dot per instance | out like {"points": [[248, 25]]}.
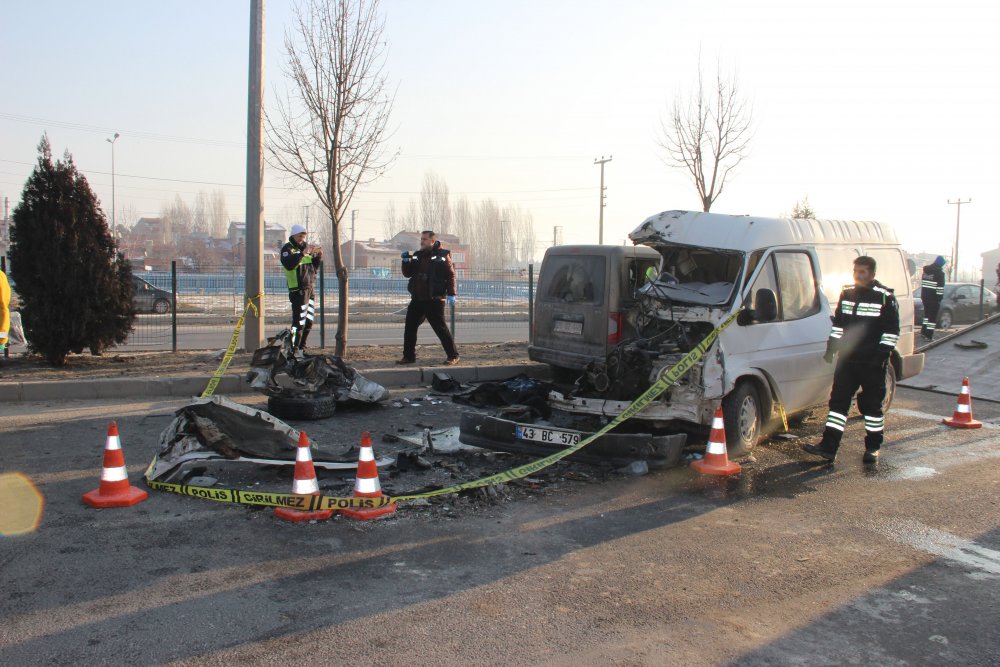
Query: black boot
{"points": [[871, 456], [822, 451]]}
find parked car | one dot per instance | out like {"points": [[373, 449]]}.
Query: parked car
{"points": [[960, 305], [150, 299]]}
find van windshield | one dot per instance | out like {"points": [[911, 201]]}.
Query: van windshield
{"points": [[573, 279], [699, 276]]}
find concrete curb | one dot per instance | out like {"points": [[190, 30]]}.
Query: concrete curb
{"points": [[142, 387]]}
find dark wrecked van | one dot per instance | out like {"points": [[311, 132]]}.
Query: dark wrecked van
{"points": [[584, 292]]}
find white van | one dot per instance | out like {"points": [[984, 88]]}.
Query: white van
{"points": [[786, 273]]}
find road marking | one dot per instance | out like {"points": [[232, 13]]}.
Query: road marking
{"points": [[940, 543], [934, 418]]}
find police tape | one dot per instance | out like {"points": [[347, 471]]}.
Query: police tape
{"points": [[319, 502], [234, 340]]}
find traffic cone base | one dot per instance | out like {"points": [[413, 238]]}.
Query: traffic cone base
{"points": [[366, 484], [305, 484], [130, 496], [289, 514], [716, 461], [114, 490], [962, 417]]}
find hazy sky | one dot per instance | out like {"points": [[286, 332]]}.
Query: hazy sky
{"points": [[876, 110]]}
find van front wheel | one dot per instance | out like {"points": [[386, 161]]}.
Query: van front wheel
{"points": [[742, 413]]}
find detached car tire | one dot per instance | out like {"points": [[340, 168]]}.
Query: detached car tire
{"points": [[743, 416], [302, 407]]}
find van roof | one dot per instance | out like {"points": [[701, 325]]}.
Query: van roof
{"points": [[605, 250], [746, 232]]}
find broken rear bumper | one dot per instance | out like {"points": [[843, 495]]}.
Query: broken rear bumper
{"points": [[615, 448]]}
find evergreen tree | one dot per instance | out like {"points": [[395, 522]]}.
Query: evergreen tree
{"points": [[76, 290]]}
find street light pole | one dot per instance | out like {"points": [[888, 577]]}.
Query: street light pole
{"points": [[114, 226], [958, 222], [600, 222]]}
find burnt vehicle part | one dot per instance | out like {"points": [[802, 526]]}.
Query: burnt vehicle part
{"points": [[216, 431], [542, 439], [307, 386]]}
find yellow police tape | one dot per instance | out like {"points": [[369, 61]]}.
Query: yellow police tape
{"points": [[311, 503], [234, 340]]}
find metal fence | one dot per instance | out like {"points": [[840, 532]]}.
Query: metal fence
{"points": [[197, 308]]}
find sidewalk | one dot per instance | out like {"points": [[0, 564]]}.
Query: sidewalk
{"points": [[138, 387]]}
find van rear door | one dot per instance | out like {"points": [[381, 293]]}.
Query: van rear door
{"points": [[571, 313]]}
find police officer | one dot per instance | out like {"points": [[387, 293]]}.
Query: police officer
{"points": [[864, 333], [931, 293], [432, 280], [301, 261]]}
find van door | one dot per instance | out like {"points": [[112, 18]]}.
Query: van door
{"points": [[790, 349], [571, 314]]}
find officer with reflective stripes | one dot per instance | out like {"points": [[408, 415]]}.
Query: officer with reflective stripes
{"points": [[864, 334], [301, 262], [931, 293]]}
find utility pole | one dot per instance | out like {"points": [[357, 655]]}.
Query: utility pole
{"points": [[306, 209], [600, 224], [556, 233], [958, 223], [354, 248], [113, 224], [254, 336]]}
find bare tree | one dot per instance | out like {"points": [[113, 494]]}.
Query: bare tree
{"points": [[435, 210], [708, 134], [218, 215], [392, 224], [199, 217], [177, 220], [411, 221], [329, 131]]}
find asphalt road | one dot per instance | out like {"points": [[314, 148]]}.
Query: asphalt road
{"points": [[792, 562], [201, 336]]}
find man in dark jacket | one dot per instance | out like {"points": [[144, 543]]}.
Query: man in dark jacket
{"points": [[432, 280], [301, 261], [931, 294], [864, 334]]}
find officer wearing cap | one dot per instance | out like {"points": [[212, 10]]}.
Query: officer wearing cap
{"points": [[301, 261], [931, 294]]}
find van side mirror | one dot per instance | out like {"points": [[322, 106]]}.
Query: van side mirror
{"points": [[767, 306]]}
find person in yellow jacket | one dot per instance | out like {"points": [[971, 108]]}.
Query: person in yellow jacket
{"points": [[4, 311]]}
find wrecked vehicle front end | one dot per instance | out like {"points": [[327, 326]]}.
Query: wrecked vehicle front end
{"points": [[674, 311]]}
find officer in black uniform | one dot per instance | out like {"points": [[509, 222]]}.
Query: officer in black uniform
{"points": [[931, 293], [432, 282], [864, 334]]}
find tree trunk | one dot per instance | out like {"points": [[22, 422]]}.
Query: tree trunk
{"points": [[342, 279]]}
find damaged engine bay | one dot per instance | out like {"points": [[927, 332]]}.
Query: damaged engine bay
{"points": [[673, 314]]}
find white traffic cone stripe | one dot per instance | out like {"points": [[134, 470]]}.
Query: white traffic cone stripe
{"points": [[962, 407], [118, 474], [717, 423], [366, 454], [715, 447], [114, 442], [965, 390], [363, 485], [305, 487], [302, 454]]}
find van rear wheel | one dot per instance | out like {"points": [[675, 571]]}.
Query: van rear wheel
{"points": [[743, 416]]}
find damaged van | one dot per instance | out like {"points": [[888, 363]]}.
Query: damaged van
{"points": [[784, 274]]}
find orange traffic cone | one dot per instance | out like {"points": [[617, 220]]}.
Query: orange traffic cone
{"points": [[716, 461], [366, 484], [114, 490], [305, 484], [962, 417]]}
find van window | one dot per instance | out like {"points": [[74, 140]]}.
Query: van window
{"points": [[836, 266], [765, 280], [797, 285], [890, 269], [574, 279]]}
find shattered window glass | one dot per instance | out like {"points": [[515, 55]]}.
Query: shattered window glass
{"points": [[574, 279], [696, 275]]}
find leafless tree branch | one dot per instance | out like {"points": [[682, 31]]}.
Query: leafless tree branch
{"points": [[708, 135], [329, 130]]}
